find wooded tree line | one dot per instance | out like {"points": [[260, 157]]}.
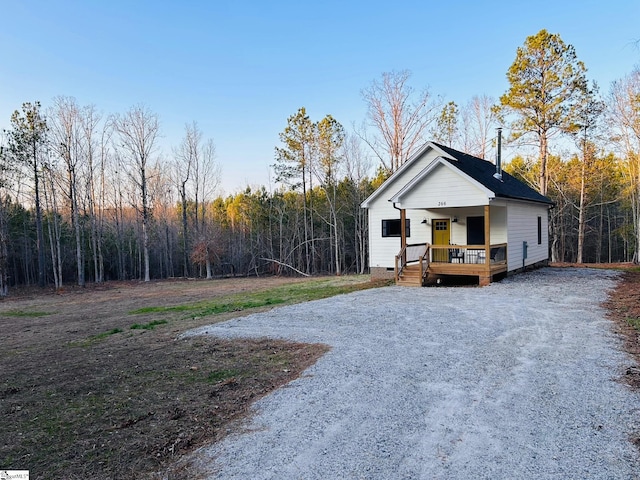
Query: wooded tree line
{"points": [[89, 197]]}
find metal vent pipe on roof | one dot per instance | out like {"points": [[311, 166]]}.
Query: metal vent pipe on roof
{"points": [[498, 173]]}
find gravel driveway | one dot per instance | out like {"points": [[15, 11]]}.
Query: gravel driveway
{"points": [[514, 380]]}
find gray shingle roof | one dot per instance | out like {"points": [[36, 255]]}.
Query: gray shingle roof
{"points": [[483, 171]]}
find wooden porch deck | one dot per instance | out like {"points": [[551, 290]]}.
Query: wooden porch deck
{"points": [[456, 260]]}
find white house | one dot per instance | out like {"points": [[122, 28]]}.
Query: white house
{"points": [[444, 212]]}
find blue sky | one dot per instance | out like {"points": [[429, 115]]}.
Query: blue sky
{"points": [[240, 68]]}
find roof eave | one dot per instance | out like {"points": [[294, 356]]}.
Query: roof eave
{"points": [[525, 199]]}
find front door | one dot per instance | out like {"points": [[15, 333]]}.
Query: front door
{"points": [[441, 234]]}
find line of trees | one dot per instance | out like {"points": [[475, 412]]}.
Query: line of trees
{"points": [[90, 197]]}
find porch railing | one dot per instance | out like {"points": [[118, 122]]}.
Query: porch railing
{"points": [[472, 254], [417, 252]]}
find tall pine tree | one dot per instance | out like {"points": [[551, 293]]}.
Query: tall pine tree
{"points": [[546, 84]]}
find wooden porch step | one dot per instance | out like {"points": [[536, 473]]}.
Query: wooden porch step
{"points": [[410, 276]]}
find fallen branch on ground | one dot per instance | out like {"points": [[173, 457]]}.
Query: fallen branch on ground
{"points": [[285, 265]]}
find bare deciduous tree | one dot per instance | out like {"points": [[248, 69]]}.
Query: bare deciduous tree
{"points": [[478, 124], [589, 114], [399, 116], [207, 176], [197, 176], [624, 120], [185, 158], [66, 136], [358, 167], [138, 131], [96, 142]]}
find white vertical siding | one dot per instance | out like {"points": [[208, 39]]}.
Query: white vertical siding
{"points": [[522, 224]]}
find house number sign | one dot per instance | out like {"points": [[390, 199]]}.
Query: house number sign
{"points": [[442, 204]]}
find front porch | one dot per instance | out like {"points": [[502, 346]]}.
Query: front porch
{"points": [[416, 262], [447, 254]]}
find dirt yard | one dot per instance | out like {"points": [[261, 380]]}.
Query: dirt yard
{"points": [[90, 390]]}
